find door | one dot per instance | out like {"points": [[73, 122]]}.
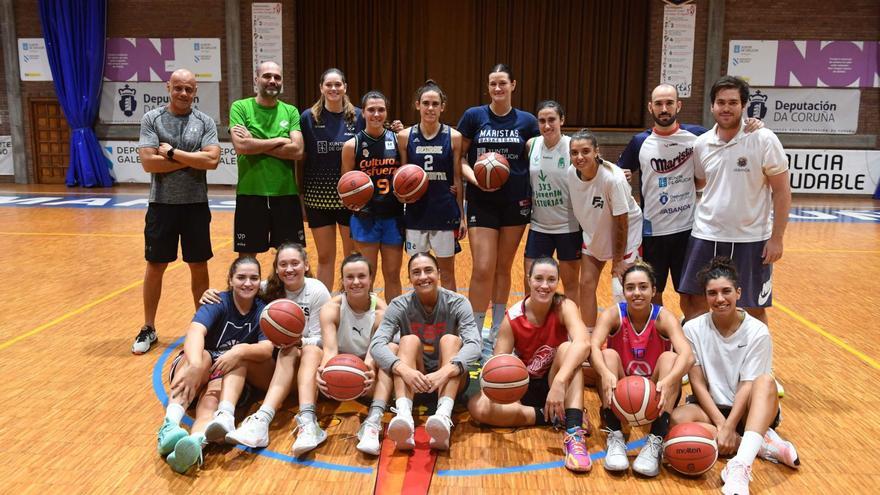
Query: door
{"points": [[51, 136]]}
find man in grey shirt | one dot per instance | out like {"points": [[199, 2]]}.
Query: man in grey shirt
{"points": [[178, 145], [438, 338]]}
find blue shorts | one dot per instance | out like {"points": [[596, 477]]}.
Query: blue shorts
{"points": [[388, 231], [755, 278], [567, 246]]}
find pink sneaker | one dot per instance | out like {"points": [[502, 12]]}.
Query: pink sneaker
{"points": [[577, 458], [779, 451]]}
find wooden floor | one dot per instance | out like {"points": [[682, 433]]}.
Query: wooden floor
{"points": [[80, 413]]}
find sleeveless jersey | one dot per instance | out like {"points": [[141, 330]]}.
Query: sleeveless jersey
{"points": [[437, 209], [323, 147], [638, 351], [379, 159], [355, 329], [552, 212], [536, 345]]}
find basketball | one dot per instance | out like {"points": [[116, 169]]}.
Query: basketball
{"points": [[636, 400], [590, 377], [690, 449], [282, 321], [504, 379], [491, 170], [345, 375], [355, 189], [410, 183]]}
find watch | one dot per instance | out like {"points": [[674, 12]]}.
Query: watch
{"points": [[170, 154]]}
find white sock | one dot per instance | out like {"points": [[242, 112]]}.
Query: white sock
{"points": [[481, 320], [497, 316], [403, 406], [444, 406], [749, 447], [226, 406], [266, 412], [175, 413]]}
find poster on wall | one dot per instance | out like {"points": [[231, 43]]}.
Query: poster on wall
{"points": [[806, 110], [676, 66], [33, 62], [6, 166], [154, 59], [125, 165], [266, 21], [813, 63], [834, 171], [127, 102]]}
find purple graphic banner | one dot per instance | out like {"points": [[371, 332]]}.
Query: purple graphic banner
{"points": [[154, 59]]}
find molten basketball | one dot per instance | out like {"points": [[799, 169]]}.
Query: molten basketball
{"points": [[504, 379], [690, 449], [345, 375], [282, 321], [410, 183], [590, 377], [636, 400], [491, 170], [355, 189]]}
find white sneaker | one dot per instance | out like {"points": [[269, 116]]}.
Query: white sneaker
{"points": [[648, 461], [222, 424], [145, 339], [779, 451], [780, 390], [310, 436], [615, 451], [736, 477], [253, 432], [401, 430], [439, 428], [369, 443]]}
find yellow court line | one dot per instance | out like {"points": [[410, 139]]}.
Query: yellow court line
{"points": [[833, 338], [70, 234], [867, 251]]}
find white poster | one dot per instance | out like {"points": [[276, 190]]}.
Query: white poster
{"points": [[266, 22], [834, 171], [676, 66], [6, 167], [33, 62], [125, 165], [154, 59], [807, 110], [127, 102]]}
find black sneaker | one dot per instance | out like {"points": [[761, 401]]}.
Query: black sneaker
{"points": [[144, 340]]}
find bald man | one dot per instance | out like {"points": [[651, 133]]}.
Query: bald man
{"points": [[178, 145], [266, 135]]}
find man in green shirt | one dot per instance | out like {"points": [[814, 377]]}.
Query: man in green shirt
{"points": [[266, 135]]}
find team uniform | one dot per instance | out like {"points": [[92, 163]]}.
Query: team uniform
{"points": [[733, 217], [506, 135], [639, 350], [536, 346], [178, 207], [311, 297], [553, 228], [380, 220], [596, 201], [432, 221], [267, 207], [666, 181], [355, 329], [323, 147]]}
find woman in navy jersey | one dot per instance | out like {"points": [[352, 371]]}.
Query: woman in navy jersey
{"points": [[377, 227], [497, 218], [435, 221], [326, 126]]}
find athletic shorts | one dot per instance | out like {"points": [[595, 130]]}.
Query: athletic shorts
{"points": [[442, 242], [725, 411], [496, 215], [174, 364], [755, 278], [373, 230], [429, 400], [666, 254], [536, 395], [166, 224], [262, 222], [566, 246], [320, 217]]}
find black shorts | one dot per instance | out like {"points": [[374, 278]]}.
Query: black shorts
{"points": [[320, 217], [262, 222], [755, 278], [536, 395], [725, 411], [566, 246], [496, 215], [164, 224], [666, 253], [429, 400]]}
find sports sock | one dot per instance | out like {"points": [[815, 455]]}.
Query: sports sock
{"points": [[497, 316], [444, 406], [226, 406], [266, 412], [539, 417], [574, 419], [403, 406], [611, 420], [307, 412], [749, 447], [660, 426], [377, 410], [480, 318], [174, 413]]}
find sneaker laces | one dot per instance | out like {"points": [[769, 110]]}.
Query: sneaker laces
{"points": [[655, 443], [738, 471], [306, 428], [144, 334], [575, 442], [615, 442]]}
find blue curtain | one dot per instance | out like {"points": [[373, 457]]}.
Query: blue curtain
{"points": [[74, 32]]}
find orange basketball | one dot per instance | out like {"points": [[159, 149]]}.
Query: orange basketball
{"points": [[283, 321], [355, 189], [636, 400], [410, 183], [504, 379], [690, 449], [491, 170], [345, 375]]}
